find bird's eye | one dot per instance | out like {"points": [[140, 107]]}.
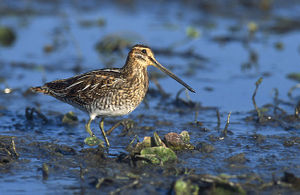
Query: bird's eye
{"points": [[144, 51]]}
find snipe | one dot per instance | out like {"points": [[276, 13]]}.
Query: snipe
{"points": [[109, 92]]}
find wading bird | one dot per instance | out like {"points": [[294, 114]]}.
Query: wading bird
{"points": [[108, 92]]}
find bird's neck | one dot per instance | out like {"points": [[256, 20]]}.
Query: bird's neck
{"points": [[136, 74], [133, 68]]}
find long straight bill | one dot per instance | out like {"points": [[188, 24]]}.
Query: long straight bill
{"points": [[160, 67]]}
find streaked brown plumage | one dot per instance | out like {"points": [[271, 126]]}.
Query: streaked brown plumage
{"points": [[108, 92]]}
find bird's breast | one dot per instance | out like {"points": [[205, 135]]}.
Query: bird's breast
{"points": [[123, 100]]}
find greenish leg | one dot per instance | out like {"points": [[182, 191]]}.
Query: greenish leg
{"points": [[88, 127], [101, 125]]}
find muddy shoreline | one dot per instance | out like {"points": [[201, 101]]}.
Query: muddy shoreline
{"points": [[238, 134]]}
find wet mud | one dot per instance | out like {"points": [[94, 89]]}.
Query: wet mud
{"points": [[239, 134]]}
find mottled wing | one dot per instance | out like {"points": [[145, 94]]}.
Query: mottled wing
{"points": [[84, 89]]}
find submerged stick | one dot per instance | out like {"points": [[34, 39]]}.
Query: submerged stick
{"points": [[108, 132], [99, 182], [276, 102], [292, 89], [297, 110], [257, 83], [196, 116], [128, 186], [218, 117], [30, 111], [178, 93], [82, 171], [45, 171], [226, 126], [132, 141], [160, 89], [123, 122], [14, 147]]}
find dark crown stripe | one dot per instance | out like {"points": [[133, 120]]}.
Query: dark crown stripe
{"points": [[141, 45]]}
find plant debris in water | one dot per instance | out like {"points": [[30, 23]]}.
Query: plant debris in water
{"points": [[155, 151], [294, 76], [158, 155], [113, 43], [255, 156], [207, 184], [178, 141], [8, 152], [70, 118], [7, 36]]}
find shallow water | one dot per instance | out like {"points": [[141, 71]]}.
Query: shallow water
{"points": [[218, 78]]}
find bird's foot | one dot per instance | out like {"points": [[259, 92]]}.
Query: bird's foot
{"points": [[93, 141]]}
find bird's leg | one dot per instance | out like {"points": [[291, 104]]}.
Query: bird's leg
{"points": [[88, 127], [101, 125], [92, 140]]}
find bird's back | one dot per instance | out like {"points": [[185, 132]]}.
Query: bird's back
{"points": [[106, 92]]}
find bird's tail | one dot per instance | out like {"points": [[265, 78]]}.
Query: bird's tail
{"points": [[40, 89]]}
